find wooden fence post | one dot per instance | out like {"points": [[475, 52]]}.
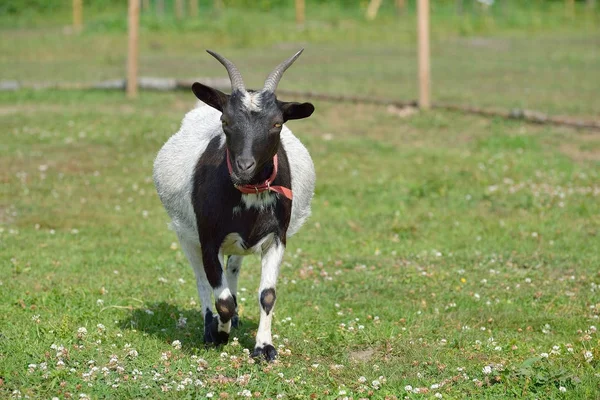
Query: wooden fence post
{"points": [[179, 9], [77, 15], [570, 8], [423, 44], [400, 6], [372, 9], [132, 51], [300, 12], [193, 8]]}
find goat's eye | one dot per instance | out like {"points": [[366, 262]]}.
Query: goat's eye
{"points": [[277, 125]]}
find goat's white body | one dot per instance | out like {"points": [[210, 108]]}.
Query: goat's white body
{"points": [[176, 162]]}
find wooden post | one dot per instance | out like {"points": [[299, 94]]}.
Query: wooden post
{"points": [[400, 6], [300, 12], [179, 9], [570, 8], [423, 43], [132, 52], [193, 8], [372, 9], [77, 15]]}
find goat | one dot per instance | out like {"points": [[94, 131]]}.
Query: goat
{"points": [[235, 181]]}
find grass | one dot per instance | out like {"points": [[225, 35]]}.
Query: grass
{"points": [[443, 250], [447, 254]]}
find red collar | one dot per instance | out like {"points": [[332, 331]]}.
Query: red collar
{"points": [[266, 185]]}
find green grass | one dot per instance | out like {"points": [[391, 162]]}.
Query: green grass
{"points": [[439, 245], [446, 252]]}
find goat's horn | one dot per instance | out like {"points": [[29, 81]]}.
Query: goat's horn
{"points": [[275, 76], [237, 83]]}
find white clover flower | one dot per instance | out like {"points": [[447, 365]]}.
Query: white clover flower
{"points": [[544, 355], [36, 318], [376, 384], [99, 302], [438, 396], [588, 356], [181, 322], [176, 344], [562, 389], [362, 379], [246, 393], [487, 370], [408, 388], [81, 332]]}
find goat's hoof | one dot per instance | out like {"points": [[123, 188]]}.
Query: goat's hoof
{"points": [[235, 321], [268, 351], [213, 336]]}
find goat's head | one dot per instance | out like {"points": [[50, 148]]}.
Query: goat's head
{"points": [[251, 120]]}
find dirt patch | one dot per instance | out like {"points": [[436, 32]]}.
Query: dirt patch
{"points": [[583, 147], [362, 355]]}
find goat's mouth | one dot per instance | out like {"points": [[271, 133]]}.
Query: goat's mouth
{"points": [[241, 179], [255, 176]]}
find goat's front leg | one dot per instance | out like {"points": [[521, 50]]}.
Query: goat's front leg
{"points": [[271, 260], [216, 329]]}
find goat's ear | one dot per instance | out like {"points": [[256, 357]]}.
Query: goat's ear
{"points": [[213, 97], [296, 110]]}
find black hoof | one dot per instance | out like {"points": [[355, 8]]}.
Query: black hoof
{"points": [[212, 335], [235, 321], [268, 352]]}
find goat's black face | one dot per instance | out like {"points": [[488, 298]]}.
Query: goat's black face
{"points": [[252, 123]]}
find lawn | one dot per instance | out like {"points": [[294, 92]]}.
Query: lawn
{"points": [[452, 254], [448, 256]]}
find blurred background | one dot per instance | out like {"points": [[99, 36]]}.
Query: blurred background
{"points": [[536, 54]]}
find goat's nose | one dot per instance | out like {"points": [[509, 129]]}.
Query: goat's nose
{"points": [[245, 164]]}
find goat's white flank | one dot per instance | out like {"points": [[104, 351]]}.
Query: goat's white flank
{"points": [[174, 169]]}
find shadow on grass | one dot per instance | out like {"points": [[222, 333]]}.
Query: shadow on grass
{"points": [[165, 321]]}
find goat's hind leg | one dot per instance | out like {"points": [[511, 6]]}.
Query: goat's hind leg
{"points": [[234, 264], [193, 252], [224, 302]]}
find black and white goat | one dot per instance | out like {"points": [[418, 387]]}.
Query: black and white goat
{"points": [[236, 181]]}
